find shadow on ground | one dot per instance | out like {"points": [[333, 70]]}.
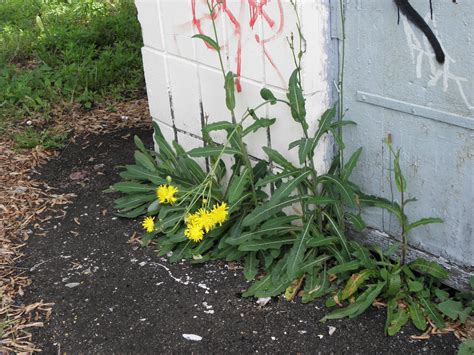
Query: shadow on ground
{"points": [[113, 296]]}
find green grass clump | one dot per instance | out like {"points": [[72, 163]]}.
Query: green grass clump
{"points": [[64, 52]]}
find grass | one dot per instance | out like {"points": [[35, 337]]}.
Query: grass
{"points": [[63, 53]]}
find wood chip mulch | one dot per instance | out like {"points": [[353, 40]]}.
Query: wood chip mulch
{"points": [[27, 203]]}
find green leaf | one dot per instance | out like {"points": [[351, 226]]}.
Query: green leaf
{"points": [[194, 170], [349, 266], [230, 91], [277, 158], [450, 308], [305, 150], [422, 222], [287, 188], [466, 348], [322, 241], [180, 252], [374, 201], [233, 207], [273, 231], [357, 221], [140, 173], [415, 286], [432, 313], [251, 266], [267, 95], [212, 151], [344, 189], [429, 267], [354, 282], [208, 40], [266, 210], [132, 187], [350, 165], [394, 284], [259, 123], [362, 253], [238, 185], [400, 180], [323, 126], [368, 297], [339, 233], [311, 263], [133, 213], [274, 243], [258, 286], [274, 178], [316, 286], [295, 95], [417, 316], [217, 126], [139, 144], [398, 321], [132, 201], [296, 255], [165, 149]]}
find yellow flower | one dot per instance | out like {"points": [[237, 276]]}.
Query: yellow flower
{"points": [[166, 194], [193, 219], [149, 224], [220, 213], [194, 232], [206, 219]]}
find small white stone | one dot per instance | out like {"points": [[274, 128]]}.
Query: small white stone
{"points": [[72, 284], [262, 301], [143, 263], [320, 336], [273, 338], [331, 330], [192, 337], [302, 331]]}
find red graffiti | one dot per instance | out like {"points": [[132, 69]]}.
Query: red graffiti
{"points": [[257, 11]]}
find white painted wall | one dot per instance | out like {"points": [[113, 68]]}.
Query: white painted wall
{"points": [[184, 82]]}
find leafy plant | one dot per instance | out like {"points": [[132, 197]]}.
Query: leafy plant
{"points": [[194, 212]]}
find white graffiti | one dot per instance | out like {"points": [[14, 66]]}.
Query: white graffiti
{"points": [[422, 53]]}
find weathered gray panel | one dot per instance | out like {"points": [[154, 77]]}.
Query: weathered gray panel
{"points": [[394, 85]]}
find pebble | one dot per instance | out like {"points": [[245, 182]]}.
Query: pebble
{"points": [[192, 337], [72, 284]]}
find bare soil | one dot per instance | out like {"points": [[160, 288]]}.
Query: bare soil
{"points": [[112, 295]]}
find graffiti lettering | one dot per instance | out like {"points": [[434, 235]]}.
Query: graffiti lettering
{"points": [[258, 12]]}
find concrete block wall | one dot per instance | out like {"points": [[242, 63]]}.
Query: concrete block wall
{"points": [[183, 77]]}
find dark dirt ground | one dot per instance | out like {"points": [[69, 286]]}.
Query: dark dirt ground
{"points": [[129, 300]]}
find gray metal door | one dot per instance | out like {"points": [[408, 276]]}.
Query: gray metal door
{"points": [[394, 85]]}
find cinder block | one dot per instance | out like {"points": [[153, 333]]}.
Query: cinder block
{"points": [[185, 93], [148, 15], [202, 24], [278, 24], [213, 99], [315, 21], [156, 85], [178, 28], [244, 29]]}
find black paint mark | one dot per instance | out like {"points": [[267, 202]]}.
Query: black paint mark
{"points": [[413, 16]]}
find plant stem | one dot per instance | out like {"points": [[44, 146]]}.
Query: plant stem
{"points": [[341, 76]]}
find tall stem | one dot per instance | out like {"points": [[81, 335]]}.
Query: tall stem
{"points": [[243, 149], [341, 76]]}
